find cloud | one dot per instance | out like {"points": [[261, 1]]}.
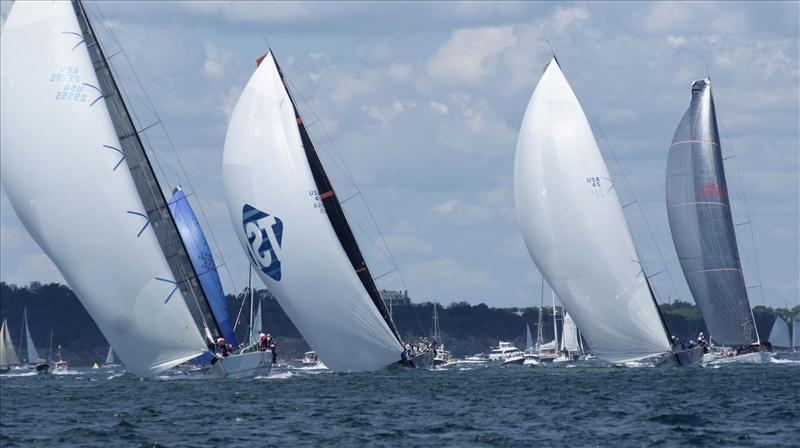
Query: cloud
{"points": [[439, 107], [469, 54], [563, 18], [216, 61]]}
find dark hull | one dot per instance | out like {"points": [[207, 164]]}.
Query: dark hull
{"points": [[42, 368], [682, 358]]}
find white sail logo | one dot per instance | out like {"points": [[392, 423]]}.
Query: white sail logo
{"points": [[265, 235]]}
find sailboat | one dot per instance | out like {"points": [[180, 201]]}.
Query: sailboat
{"points": [[110, 362], [702, 229], [575, 231], [440, 356], [795, 334], [779, 336], [570, 347], [32, 359], [293, 229], [8, 355], [87, 193], [530, 353]]}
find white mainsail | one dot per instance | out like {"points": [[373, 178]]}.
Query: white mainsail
{"points": [[281, 222], [257, 324], [779, 337], [569, 335], [68, 183], [32, 354], [575, 230], [110, 356], [8, 356]]}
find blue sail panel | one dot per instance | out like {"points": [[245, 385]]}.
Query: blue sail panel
{"points": [[203, 261]]}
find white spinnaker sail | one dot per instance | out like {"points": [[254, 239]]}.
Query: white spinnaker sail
{"points": [[255, 331], [780, 336], [32, 355], [8, 356], [75, 196], [575, 230], [110, 356], [569, 335], [265, 167]]}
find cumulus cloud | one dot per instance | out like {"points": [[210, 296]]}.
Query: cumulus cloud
{"points": [[469, 54]]}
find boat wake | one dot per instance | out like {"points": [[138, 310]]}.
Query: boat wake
{"points": [[784, 361], [277, 376], [17, 375], [65, 372]]}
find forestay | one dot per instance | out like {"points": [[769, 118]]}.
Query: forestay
{"points": [[279, 214], [779, 337], [69, 183], [575, 230], [700, 219]]}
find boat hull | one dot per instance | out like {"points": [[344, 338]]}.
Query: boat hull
{"points": [[423, 361], [683, 358], [42, 368], [513, 360], [746, 358], [242, 365]]}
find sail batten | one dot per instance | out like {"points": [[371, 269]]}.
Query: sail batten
{"points": [[575, 230], [700, 219]]}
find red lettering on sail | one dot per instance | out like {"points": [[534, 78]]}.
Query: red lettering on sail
{"points": [[711, 190]]}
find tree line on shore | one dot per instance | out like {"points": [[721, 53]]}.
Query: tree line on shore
{"points": [[465, 328]]}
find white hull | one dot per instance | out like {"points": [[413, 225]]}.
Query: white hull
{"points": [[244, 365], [746, 358]]}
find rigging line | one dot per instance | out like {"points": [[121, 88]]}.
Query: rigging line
{"points": [[244, 299], [638, 204], [149, 103], [729, 142]]}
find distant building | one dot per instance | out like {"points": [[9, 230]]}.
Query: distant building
{"points": [[395, 298]]}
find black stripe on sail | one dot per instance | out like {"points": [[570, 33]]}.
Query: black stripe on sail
{"points": [[333, 209]]}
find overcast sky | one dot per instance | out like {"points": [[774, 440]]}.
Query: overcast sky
{"points": [[424, 103]]}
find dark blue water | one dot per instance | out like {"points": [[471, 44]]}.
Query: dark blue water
{"points": [[501, 406]]}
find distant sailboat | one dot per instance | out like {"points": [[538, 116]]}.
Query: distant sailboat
{"points": [[441, 356], [569, 338], [110, 362], [32, 358], [8, 355], [796, 334], [87, 193], [702, 228], [294, 231], [575, 230], [780, 336]]}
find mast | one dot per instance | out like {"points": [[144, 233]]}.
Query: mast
{"points": [[250, 290], [157, 212], [335, 213], [539, 330], [50, 347]]}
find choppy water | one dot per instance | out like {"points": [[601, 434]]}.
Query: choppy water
{"points": [[503, 406]]}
